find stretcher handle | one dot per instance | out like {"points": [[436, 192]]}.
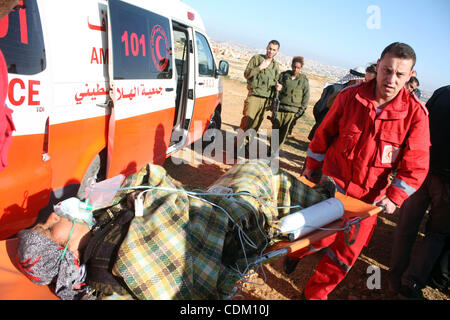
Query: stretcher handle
{"points": [[355, 234]]}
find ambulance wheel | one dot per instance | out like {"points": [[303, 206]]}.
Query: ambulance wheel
{"points": [[95, 170], [213, 130]]}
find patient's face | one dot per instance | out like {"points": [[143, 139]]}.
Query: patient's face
{"points": [[55, 228]]}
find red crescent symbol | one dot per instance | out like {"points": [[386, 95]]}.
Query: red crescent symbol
{"points": [[157, 48], [159, 61]]}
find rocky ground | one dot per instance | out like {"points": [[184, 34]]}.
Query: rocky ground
{"points": [[272, 283]]}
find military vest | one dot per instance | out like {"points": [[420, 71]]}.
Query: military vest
{"points": [[293, 90], [262, 83]]}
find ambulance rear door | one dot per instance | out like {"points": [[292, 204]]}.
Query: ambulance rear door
{"points": [[142, 87], [184, 73], [206, 88]]}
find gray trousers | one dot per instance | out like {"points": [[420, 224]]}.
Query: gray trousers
{"points": [[415, 269]]}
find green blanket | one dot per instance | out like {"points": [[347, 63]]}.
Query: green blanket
{"points": [[193, 245]]}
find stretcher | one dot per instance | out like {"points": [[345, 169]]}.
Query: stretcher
{"points": [[15, 286], [355, 211]]}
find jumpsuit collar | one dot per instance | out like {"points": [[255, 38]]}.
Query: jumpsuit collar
{"points": [[395, 109]]}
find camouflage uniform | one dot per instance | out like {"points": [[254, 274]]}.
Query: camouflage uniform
{"points": [[294, 99], [259, 85]]}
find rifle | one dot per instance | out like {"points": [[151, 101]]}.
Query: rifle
{"points": [[274, 107]]}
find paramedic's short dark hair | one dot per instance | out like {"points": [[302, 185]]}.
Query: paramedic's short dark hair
{"points": [[400, 50], [275, 42], [298, 59]]}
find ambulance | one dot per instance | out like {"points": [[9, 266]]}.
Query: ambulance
{"points": [[100, 88]]}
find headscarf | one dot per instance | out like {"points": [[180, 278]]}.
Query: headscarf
{"points": [[43, 262], [357, 73]]}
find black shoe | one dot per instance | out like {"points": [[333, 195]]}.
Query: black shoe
{"points": [[289, 265], [442, 286], [411, 293]]}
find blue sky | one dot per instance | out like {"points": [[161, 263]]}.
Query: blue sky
{"points": [[344, 33]]}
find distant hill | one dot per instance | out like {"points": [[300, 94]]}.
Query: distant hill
{"points": [[238, 55]]}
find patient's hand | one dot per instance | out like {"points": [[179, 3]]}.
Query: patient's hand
{"points": [[312, 175]]}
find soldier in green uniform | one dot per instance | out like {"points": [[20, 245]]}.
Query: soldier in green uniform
{"points": [[261, 73], [293, 87]]}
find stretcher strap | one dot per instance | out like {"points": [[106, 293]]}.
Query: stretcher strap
{"points": [[349, 225]]}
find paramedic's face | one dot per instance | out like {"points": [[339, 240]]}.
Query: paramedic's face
{"points": [[56, 228], [271, 50], [392, 75], [296, 67]]}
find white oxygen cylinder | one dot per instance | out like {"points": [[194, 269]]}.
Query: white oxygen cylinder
{"points": [[309, 219]]}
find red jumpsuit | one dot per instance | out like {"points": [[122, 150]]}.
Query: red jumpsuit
{"points": [[6, 121], [360, 150]]}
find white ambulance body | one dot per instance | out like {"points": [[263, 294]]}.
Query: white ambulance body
{"points": [[99, 88]]}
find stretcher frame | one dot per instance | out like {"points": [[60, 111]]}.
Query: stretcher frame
{"points": [[355, 211], [14, 285]]}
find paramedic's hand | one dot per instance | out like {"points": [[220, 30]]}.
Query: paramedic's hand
{"points": [[307, 173], [389, 206]]}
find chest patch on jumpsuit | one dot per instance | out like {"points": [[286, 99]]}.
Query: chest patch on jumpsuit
{"points": [[390, 154]]}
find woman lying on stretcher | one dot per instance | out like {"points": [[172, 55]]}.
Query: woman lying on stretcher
{"points": [[55, 252], [207, 257], [50, 252]]}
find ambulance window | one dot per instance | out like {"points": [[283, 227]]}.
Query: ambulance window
{"points": [[141, 43], [180, 52], [21, 39], [205, 57]]}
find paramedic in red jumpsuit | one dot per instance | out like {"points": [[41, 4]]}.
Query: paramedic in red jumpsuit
{"points": [[6, 121], [371, 130]]}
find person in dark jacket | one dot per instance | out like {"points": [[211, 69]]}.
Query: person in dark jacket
{"points": [[371, 72], [320, 109], [409, 273], [440, 277], [413, 86]]}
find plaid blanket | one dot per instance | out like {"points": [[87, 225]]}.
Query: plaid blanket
{"points": [[198, 245]]}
